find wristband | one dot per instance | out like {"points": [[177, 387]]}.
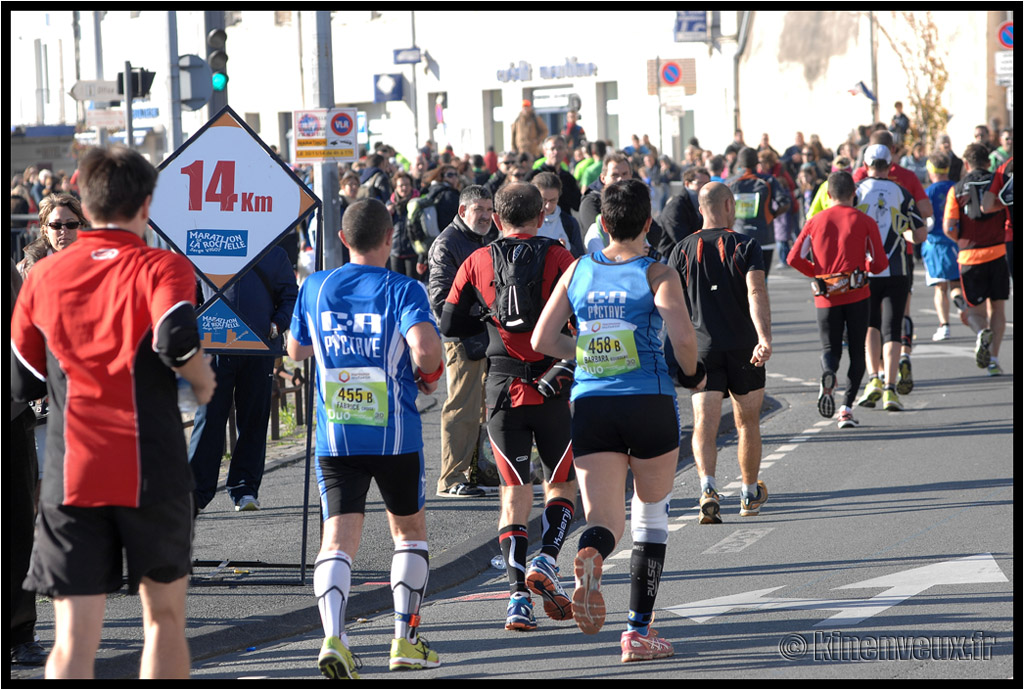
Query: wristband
{"points": [[432, 376], [691, 381]]}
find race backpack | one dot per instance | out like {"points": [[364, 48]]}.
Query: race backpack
{"points": [[971, 189], [374, 188], [518, 276], [422, 222]]}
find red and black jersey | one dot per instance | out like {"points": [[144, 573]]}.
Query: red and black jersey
{"points": [[101, 322], [839, 240], [474, 285]]}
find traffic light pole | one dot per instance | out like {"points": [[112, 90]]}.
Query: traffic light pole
{"points": [[214, 19], [128, 105]]}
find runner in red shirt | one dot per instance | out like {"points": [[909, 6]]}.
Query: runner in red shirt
{"points": [[837, 247]]}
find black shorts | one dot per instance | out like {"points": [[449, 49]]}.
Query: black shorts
{"points": [[731, 371], [78, 551], [345, 480], [641, 426], [888, 304], [990, 280], [514, 430]]}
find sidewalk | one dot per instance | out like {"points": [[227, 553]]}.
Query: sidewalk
{"points": [[246, 590]]}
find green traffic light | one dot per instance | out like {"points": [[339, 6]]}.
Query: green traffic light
{"points": [[220, 81]]}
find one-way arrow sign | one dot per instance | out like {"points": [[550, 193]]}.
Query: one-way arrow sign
{"points": [[96, 90], [900, 587]]}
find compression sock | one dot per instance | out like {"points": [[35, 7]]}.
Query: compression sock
{"points": [[601, 538], [410, 569], [513, 541], [332, 579], [645, 565], [555, 523]]}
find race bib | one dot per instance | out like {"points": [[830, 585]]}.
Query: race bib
{"points": [[357, 395], [606, 347], [746, 205]]}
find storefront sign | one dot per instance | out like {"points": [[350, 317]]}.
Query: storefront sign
{"points": [[570, 69]]}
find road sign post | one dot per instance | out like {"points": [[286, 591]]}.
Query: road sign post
{"points": [[95, 90]]}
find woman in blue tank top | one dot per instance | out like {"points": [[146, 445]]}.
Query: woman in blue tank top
{"points": [[624, 405]]}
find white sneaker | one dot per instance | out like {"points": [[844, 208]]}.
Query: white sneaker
{"points": [[247, 503], [941, 333]]}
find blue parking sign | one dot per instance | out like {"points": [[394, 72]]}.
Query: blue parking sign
{"points": [[691, 25]]}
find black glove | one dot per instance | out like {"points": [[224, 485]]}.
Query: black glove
{"points": [[691, 381]]}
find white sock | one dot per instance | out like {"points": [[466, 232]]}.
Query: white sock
{"points": [[750, 489], [707, 482], [332, 580], [410, 570]]}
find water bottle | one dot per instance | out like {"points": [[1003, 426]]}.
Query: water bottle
{"points": [[498, 562], [556, 379], [187, 402]]}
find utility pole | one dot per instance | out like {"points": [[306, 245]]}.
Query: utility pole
{"points": [[415, 109], [874, 67], [175, 109], [129, 132], [320, 94], [97, 18]]}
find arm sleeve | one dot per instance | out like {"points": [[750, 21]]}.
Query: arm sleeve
{"points": [[456, 318], [172, 308]]}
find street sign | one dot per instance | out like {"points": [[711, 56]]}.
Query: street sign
{"points": [[1004, 63], [691, 25], [105, 119], [1005, 35], [96, 90], [671, 73], [407, 56], [224, 199], [325, 135]]}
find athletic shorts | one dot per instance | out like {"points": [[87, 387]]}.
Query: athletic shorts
{"points": [[990, 280], [345, 480], [641, 426], [82, 551], [514, 430], [731, 371], [888, 304]]}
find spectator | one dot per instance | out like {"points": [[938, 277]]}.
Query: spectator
{"points": [[956, 164], [591, 168], [558, 224], [528, 131], [403, 255], [554, 162], [899, 125], [574, 134], [60, 219], [1003, 152], [736, 144], [917, 162], [479, 170]]}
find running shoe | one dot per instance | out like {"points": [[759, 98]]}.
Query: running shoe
{"points": [[942, 333], [246, 504], [891, 401], [637, 647], [519, 615], [872, 393], [408, 656], [846, 420], [905, 382], [709, 508], [982, 349], [826, 403], [542, 579], [587, 600], [751, 505], [961, 307], [994, 369], [336, 661]]}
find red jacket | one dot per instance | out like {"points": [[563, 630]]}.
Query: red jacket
{"points": [[838, 240]]}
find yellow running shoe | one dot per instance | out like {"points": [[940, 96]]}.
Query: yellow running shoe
{"points": [[336, 661], [406, 656]]}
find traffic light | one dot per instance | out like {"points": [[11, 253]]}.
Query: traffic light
{"points": [[194, 82], [141, 82], [217, 58]]}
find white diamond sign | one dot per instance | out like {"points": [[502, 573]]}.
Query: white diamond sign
{"points": [[223, 199]]}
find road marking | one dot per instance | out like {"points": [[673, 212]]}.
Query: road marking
{"points": [[814, 430], [787, 448], [824, 422], [621, 554], [766, 465], [676, 527], [739, 540], [792, 379], [775, 456], [736, 485], [902, 585]]}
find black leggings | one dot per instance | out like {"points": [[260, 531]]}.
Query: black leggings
{"points": [[831, 323]]}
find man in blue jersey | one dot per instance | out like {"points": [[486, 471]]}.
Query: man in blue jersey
{"points": [[376, 343]]}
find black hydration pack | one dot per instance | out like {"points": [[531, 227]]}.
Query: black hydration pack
{"points": [[518, 276]]}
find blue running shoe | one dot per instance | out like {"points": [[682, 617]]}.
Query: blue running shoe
{"points": [[519, 615], [542, 579]]}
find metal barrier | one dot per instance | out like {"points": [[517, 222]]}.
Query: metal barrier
{"points": [[21, 236]]}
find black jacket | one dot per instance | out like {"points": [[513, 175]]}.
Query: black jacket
{"points": [[449, 251], [569, 200]]}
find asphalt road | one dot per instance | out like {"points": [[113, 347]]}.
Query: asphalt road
{"points": [[883, 552]]}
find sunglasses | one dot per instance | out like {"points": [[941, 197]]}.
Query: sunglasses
{"points": [[451, 174], [70, 225]]}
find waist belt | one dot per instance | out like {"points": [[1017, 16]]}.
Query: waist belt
{"points": [[838, 283], [510, 366]]}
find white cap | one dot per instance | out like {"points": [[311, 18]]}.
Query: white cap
{"points": [[877, 152]]}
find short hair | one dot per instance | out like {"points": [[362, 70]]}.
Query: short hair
{"points": [[366, 224], [767, 158], [691, 173], [881, 136], [598, 148], [554, 138], [517, 204], [841, 185], [717, 165], [114, 182], [614, 158], [478, 160], [977, 156], [473, 193], [375, 161], [547, 180], [940, 160], [348, 176], [400, 175], [625, 207], [898, 104], [747, 158]]}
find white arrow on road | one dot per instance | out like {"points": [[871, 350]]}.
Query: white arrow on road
{"points": [[901, 586]]}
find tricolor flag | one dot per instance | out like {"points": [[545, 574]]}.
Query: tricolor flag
{"points": [[859, 88]]}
